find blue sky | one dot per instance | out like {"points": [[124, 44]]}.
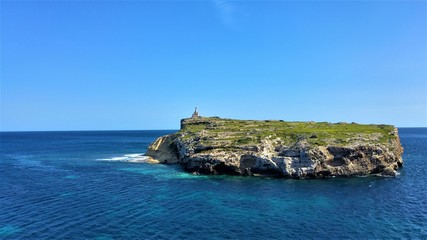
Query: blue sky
{"points": [[94, 65]]}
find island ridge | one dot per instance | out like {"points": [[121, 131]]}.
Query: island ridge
{"points": [[212, 145]]}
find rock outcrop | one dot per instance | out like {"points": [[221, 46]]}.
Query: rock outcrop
{"points": [[282, 149]]}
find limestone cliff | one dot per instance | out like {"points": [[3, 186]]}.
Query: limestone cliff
{"points": [[282, 149]]}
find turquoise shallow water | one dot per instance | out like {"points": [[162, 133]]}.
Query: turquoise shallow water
{"points": [[84, 185]]}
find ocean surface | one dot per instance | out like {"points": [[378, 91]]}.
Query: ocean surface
{"points": [[90, 185]]}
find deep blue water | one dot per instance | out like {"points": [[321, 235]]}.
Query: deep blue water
{"points": [[81, 185]]}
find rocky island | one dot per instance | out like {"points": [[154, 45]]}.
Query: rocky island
{"points": [[211, 145]]}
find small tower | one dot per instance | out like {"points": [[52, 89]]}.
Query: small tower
{"points": [[195, 114]]}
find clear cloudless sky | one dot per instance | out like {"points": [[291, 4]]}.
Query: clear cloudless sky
{"points": [[95, 65]]}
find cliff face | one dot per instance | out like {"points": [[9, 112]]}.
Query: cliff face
{"points": [[283, 149]]}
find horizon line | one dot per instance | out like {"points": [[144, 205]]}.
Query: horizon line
{"points": [[117, 130]]}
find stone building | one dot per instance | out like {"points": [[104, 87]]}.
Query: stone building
{"points": [[195, 114]]}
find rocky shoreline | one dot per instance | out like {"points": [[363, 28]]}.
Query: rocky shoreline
{"points": [[280, 149]]}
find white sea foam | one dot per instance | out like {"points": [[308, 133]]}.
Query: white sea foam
{"points": [[134, 157]]}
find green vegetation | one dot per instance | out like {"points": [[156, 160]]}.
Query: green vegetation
{"points": [[251, 132]]}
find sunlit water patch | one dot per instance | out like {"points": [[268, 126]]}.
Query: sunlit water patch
{"points": [[162, 172], [71, 177], [9, 231]]}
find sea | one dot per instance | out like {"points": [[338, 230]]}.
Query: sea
{"points": [[95, 185]]}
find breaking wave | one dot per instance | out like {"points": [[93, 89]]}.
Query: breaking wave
{"points": [[135, 157]]}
